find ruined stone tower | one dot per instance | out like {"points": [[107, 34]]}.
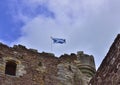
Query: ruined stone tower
{"points": [[22, 66]]}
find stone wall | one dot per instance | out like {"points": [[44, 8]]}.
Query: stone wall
{"points": [[109, 71], [34, 68]]}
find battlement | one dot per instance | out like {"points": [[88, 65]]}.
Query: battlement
{"points": [[86, 59], [30, 66]]}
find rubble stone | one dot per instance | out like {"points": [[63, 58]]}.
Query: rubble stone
{"points": [[109, 71], [34, 68]]}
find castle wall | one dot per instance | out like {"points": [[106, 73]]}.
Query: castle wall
{"points": [[34, 68], [109, 71]]}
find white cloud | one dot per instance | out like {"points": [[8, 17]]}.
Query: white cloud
{"points": [[87, 25]]}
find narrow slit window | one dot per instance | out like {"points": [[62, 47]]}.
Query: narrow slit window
{"points": [[10, 68]]}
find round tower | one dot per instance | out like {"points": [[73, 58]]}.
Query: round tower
{"points": [[87, 65]]}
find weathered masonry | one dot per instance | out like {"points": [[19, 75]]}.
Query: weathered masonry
{"points": [[109, 71], [22, 66]]}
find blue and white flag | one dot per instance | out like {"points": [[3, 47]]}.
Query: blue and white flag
{"points": [[58, 40]]}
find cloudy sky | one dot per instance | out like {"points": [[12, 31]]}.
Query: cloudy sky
{"points": [[87, 25]]}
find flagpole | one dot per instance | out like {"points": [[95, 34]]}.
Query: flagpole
{"points": [[51, 44]]}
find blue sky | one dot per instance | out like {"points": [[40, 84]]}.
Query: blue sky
{"points": [[9, 30], [87, 25]]}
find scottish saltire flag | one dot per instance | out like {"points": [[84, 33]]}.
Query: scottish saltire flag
{"points": [[58, 40]]}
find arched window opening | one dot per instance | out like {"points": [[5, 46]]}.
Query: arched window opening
{"points": [[10, 68]]}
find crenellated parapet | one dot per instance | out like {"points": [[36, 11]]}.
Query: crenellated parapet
{"points": [[22, 66]]}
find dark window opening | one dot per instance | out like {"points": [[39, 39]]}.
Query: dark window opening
{"points": [[70, 69], [40, 64], [10, 68]]}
